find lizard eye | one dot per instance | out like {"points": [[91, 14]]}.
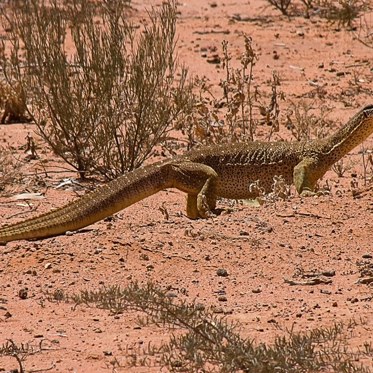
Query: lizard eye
{"points": [[368, 107]]}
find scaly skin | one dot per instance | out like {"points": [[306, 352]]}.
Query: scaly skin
{"points": [[204, 174]]}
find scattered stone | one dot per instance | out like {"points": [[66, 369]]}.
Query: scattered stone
{"points": [[23, 293], [144, 257], [328, 273], [222, 272], [31, 272], [213, 59], [327, 292], [48, 265], [222, 298]]}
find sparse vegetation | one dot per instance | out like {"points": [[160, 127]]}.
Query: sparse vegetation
{"points": [[9, 168], [19, 352], [235, 114], [305, 123], [342, 12], [204, 341], [281, 5], [341, 167], [104, 106], [364, 31], [13, 103], [105, 112]]}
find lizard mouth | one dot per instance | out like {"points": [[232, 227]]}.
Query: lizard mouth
{"points": [[368, 110]]}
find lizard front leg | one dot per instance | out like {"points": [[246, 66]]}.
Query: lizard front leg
{"points": [[199, 182], [305, 175]]}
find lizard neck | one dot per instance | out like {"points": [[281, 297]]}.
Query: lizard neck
{"points": [[356, 130]]}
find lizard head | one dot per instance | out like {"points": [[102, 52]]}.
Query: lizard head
{"points": [[368, 111]]}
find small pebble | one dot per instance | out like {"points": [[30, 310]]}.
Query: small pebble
{"points": [[222, 272], [23, 293]]}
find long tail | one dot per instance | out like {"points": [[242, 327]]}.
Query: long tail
{"points": [[105, 201]]}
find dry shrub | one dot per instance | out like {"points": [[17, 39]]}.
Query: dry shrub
{"points": [[105, 104], [239, 109], [13, 103], [305, 122], [364, 31], [281, 5], [211, 343], [342, 12], [9, 168]]}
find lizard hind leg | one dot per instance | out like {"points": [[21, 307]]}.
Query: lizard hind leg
{"points": [[199, 182]]}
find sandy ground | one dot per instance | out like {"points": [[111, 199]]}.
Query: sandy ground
{"points": [[262, 248]]}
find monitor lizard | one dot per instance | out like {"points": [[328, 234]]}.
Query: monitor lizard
{"points": [[205, 174]]}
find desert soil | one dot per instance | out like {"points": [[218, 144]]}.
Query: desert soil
{"points": [[268, 250]]}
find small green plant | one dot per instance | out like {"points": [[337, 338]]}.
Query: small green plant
{"points": [[103, 105]]}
